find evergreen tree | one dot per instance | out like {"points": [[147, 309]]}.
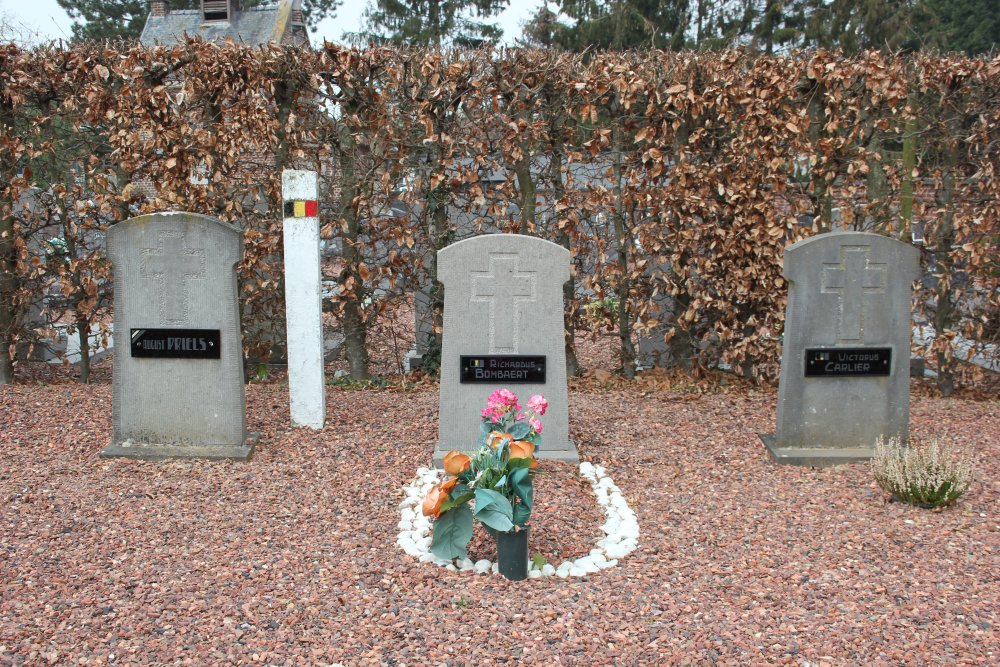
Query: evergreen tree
{"points": [[777, 24], [432, 22], [125, 19], [540, 30], [855, 25], [972, 26], [617, 24]]}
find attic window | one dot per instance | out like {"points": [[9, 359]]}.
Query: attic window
{"points": [[215, 10]]}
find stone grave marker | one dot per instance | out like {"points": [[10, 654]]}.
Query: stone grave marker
{"points": [[845, 376], [177, 377], [503, 327]]}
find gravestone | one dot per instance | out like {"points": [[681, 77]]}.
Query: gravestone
{"points": [[177, 377], [423, 328], [845, 377], [503, 327]]}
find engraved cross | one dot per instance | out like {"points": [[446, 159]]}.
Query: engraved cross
{"points": [[855, 280], [172, 264], [504, 288]]}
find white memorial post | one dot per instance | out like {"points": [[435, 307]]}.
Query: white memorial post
{"points": [[303, 299]]}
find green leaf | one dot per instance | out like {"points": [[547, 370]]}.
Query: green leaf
{"points": [[494, 510], [521, 514], [459, 496], [519, 430], [513, 464], [522, 484], [452, 532]]}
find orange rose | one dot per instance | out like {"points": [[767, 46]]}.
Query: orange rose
{"points": [[521, 449], [433, 502], [448, 484], [455, 463], [496, 437]]}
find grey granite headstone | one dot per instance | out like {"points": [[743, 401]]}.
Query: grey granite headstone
{"points": [[177, 378], [845, 377], [503, 297]]}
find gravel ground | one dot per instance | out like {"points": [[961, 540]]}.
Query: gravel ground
{"points": [[290, 559]]}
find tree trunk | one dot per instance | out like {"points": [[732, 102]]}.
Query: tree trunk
{"points": [[627, 349], [906, 186], [526, 186], [440, 236], [8, 258], [83, 334], [569, 288], [80, 318], [946, 316], [820, 191], [8, 308], [355, 330]]}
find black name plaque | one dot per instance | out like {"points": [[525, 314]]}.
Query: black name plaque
{"points": [[849, 361], [494, 368], [176, 343]]}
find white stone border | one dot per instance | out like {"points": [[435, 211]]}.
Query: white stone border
{"points": [[621, 529]]}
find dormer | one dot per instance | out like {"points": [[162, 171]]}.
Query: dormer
{"points": [[213, 11]]}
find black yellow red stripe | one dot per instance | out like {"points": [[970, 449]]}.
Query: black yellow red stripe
{"points": [[299, 208]]}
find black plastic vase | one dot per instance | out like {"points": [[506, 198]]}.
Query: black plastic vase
{"points": [[512, 554]]}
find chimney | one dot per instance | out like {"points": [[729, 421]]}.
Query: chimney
{"points": [[158, 8]]}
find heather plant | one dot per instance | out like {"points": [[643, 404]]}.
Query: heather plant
{"points": [[929, 474]]}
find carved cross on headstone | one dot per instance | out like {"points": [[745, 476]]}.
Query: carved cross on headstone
{"points": [[503, 287], [173, 264], [855, 281]]}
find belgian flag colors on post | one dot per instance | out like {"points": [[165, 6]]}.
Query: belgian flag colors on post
{"points": [[301, 209]]}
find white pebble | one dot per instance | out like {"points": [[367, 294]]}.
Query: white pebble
{"points": [[616, 551], [621, 528]]}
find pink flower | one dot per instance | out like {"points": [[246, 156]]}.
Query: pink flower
{"points": [[520, 416], [487, 412], [538, 404], [535, 424], [502, 400]]}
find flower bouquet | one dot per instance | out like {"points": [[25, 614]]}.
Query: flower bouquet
{"points": [[498, 477]]}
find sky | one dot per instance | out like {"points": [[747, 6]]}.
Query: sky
{"points": [[44, 20]]}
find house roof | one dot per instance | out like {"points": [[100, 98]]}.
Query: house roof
{"points": [[254, 26]]}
